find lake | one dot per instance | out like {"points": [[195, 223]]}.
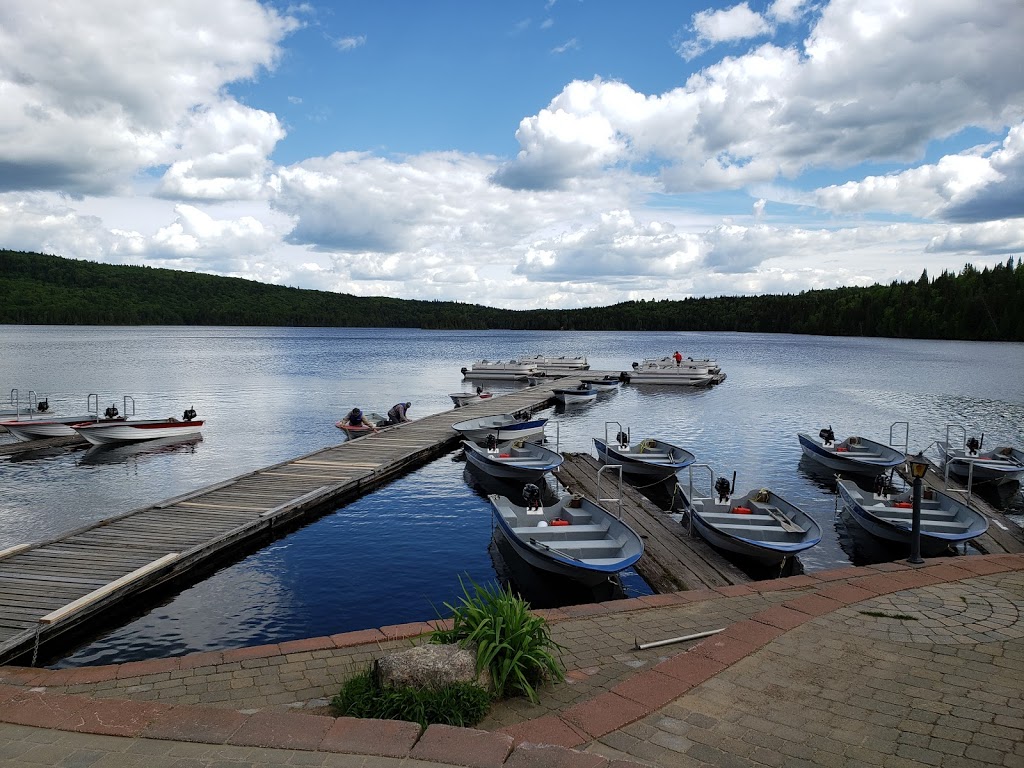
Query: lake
{"points": [[397, 555]]}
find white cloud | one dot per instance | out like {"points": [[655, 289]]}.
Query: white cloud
{"points": [[90, 93], [864, 88], [787, 11], [572, 44], [349, 43], [726, 26], [986, 238]]}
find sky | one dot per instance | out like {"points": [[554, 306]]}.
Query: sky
{"points": [[538, 153]]}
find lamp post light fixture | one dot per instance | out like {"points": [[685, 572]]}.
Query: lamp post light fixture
{"points": [[918, 467]]}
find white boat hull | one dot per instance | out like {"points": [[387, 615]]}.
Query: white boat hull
{"points": [[866, 457], [108, 433], [504, 427]]}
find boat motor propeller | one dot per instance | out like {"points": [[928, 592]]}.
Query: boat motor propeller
{"points": [[827, 435], [189, 415]]}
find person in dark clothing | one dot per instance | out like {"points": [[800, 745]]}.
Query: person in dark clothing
{"points": [[355, 418], [398, 414]]}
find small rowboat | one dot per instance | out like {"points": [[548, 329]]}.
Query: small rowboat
{"points": [[351, 432], [580, 394], [997, 465], [648, 457], [117, 431], [604, 384], [504, 426], [585, 543], [945, 521], [856, 455], [465, 398], [520, 460], [761, 525]]}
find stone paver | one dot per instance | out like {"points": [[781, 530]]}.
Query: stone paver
{"points": [[884, 666]]}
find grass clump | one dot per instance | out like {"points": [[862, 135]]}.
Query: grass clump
{"points": [[461, 704], [513, 644]]}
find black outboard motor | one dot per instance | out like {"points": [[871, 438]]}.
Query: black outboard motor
{"points": [[723, 488], [189, 415], [479, 390], [111, 412], [881, 485], [491, 443], [622, 439], [623, 377], [43, 406], [636, 366], [973, 444], [531, 495], [827, 435]]}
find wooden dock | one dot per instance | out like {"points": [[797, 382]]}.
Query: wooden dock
{"points": [[672, 559], [51, 587]]}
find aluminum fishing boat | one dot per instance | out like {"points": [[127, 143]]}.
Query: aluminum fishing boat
{"points": [[505, 427], [607, 383], [574, 538], [583, 393], [945, 521], [997, 465], [649, 457], [520, 460], [854, 455], [118, 431], [759, 525], [465, 398]]}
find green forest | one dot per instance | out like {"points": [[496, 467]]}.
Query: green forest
{"points": [[38, 289]]}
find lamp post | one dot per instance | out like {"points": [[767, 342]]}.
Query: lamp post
{"points": [[918, 467]]}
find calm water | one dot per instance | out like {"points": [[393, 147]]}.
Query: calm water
{"points": [[397, 555]]}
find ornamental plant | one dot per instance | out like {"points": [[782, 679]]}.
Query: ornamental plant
{"points": [[461, 704], [512, 643]]}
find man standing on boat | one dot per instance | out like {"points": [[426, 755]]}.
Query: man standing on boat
{"points": [[678, 358], [397, 414]]}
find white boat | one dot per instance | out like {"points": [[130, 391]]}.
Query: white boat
{"points": [[513, 370], [648, 457], [521, 460], [32, 405], [996, 465], [585, 543], [856, 455], [504, 426], [686, 377], [606, 383], [760, 525], [558, 364], [945, 521], [39, 427], [687, 362], [123, 431], [465, 398], [582, 393]]}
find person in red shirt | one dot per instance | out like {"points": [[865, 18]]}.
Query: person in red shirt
{"points": [[678, 358]]}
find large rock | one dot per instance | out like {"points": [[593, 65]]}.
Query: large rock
{"points": [[429, 666]]}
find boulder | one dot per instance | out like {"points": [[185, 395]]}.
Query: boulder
{"points": [[429, 666]]}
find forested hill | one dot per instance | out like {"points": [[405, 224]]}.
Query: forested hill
{"points": [[36, 289]]}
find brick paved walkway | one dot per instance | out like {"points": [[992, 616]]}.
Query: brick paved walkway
{"points": [[887, 666]]}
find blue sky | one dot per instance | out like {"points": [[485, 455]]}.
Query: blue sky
{"points": [[557, 153]]}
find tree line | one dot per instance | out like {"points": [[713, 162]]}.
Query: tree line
{"points": [[38, 289]]}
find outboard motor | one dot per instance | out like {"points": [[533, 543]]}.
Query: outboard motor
{"points": [[881, 485], [189, 415], [973, 444], [43, 406], [636, 366], [623, 377], [479, 390], [723, 488], [491, 443], [531, 495], [827, 435], [623, 439], [111, 412]]}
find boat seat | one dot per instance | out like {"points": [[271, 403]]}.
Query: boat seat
{"points": [[909, 512], [949, 526], [779, 516], [723, 516], [751, 528], [555, 531]]}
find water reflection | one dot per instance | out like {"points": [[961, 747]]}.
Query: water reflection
{"points": [[119, 454]]}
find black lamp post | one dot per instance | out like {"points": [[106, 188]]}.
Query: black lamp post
{"points": [[918, 467]]}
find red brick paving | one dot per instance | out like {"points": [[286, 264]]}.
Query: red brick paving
{"points": [[118, 718], [362, 637], [604, 713], [813, 605], [691, 668], [308, 644], [282, 731], [781, 617], [402, 631], [546, 756], [651, 688], [847, 594], [205, 725], [462, 746], [756, 633], [252, 652], [383, 738], [546, 730]]}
